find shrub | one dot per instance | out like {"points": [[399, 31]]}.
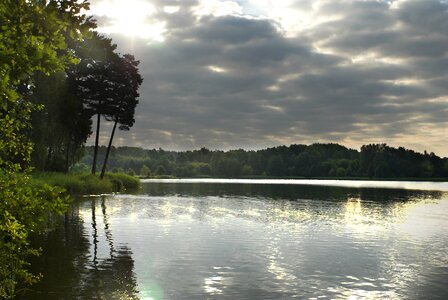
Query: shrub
{"points": [[123, 181], [83, 183]]}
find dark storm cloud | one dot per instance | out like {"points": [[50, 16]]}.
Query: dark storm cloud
{"points": [[425, 17], [373, 72], [234, 30]]}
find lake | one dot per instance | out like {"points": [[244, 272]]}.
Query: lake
{"points": [[251, 239]]}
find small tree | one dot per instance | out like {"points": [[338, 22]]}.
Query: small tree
{"points": [[160, 170], [247, 170], [145, 171]]}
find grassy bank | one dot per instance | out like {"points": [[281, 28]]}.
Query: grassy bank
{"points": [[87, 184]]}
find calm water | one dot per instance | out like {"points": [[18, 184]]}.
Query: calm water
{"points": [[230, 240]]}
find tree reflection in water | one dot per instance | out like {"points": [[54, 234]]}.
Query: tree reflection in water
{"points": [[249, 241], [72, 267], [285, 191]]}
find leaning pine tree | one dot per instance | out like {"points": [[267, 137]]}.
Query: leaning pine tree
{"points": [[121, 108], [95, 81]]}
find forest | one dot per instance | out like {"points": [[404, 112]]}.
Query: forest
{"points": [[57, 75], [294, 161]]}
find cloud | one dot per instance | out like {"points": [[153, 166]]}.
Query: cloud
{"points": [[217, 8], [230, 74]]}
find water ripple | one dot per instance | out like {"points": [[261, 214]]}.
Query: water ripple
{"points": [[233, 243]]}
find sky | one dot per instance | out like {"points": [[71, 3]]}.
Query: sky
{"points": [[253, 74]]}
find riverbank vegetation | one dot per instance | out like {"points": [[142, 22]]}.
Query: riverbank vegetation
{"points": [[56, 74], [375, 161], [85, 183]]}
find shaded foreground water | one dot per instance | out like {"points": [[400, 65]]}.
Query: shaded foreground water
{"points": [[200, 240]]}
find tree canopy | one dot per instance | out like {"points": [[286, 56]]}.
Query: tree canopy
{"points": [[121, 107], [45, 47], [294, 161]]}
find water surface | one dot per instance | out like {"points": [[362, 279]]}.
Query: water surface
{"points": [[244, 240], [410, 185]]}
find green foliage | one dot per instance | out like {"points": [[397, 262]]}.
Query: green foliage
{"points": [[117, 170], [123, 181], [62, 114], [126, 80], [130, 172], [145, 171], [295, 161], [32, 39], [160, 170], [382, 161], [74, 184], [23, 209], [15, 149], [247, 171], [276, 166], [200, 168], [38, 39], [85, 183], [223, 166], [107, 86]]}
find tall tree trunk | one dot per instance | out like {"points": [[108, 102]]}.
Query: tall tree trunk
{"points": [[67, 155], [97, 139], [108, 151], [49, 158]]}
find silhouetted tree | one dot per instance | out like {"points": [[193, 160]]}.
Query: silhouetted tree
{"points": [[123, 98], [95, 81]]}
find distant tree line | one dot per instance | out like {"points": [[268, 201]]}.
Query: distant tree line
{"points": [[316, 160]]}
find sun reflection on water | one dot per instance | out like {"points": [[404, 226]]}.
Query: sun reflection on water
{"points": [[362, 222], [210, 284]]}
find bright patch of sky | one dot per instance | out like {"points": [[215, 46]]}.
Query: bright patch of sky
{"points": [[136, 18], [218, 8], [131, 18]]}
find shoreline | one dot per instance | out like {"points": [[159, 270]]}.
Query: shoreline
{"points": [[407, 185]]}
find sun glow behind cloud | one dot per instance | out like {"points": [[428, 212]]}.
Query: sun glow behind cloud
{"points": [[131, 18], [217, 69]]}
